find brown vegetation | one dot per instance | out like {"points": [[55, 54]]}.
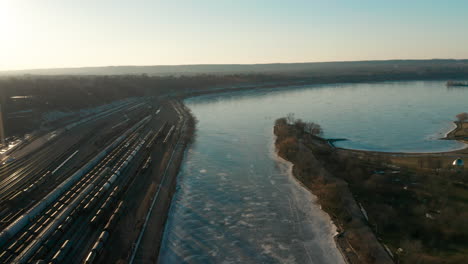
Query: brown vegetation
{"points": [[24, 99], [462, 117], [356, 239], [461, 130], [417, 205]]}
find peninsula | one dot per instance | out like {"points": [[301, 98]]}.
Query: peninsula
{"points": [[388, 207]]}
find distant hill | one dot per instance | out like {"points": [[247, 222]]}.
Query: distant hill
{"points": [[315, 68]]}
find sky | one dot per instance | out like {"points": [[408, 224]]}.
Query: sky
{"points": [[69, 33]]}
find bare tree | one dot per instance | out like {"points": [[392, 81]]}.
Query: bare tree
{"points": [[313, 129], [300, 125], [462, 117], [281, 121], [290, 118]]}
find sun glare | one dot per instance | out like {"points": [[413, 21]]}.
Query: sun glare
{"points": [[7, 24]]}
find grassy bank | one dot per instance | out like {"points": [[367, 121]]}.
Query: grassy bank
{"points": [[415, 205]]}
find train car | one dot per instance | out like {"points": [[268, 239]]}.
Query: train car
{"points": [[90, 257], [3, 256], [103, 236], [41, 252], [61, 253]]}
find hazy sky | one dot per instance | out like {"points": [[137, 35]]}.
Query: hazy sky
{"points": [[72, 33]]}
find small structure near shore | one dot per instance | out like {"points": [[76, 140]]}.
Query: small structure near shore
{"points": [[458, 163]]}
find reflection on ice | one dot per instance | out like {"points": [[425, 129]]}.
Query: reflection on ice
{"points": [[237, 203]]}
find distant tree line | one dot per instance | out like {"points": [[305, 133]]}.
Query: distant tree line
{"points": [[71, 92], [40, 94]]}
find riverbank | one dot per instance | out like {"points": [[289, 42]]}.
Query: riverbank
{"points": [[412, 206], [229, 90], [355, 239], [152, 190], [460, 132], [302, 81], [161, 198]]}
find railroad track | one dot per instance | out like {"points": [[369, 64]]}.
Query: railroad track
{"points": [[40, 236], [61, 228], [31, 175], [170, 134], [7, 169], [13, 188], [27, 175], [24, 175], [77, 229], [96, 223], [20, 164]]}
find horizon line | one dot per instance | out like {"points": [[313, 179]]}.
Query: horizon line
{"points": [[223, 64]]}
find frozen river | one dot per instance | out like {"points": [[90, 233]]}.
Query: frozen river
{"points": [[237, 203]]}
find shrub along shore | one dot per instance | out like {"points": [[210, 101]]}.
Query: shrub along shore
{"points": [[388, 207]]}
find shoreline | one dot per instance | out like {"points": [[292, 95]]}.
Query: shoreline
{"points": [[154, 188], [448, 136], [363, 190], [168, 186], [304, 83], [454, 127], [298, 83], [343, 245], [459, 132], [290, 166], [319, 186]]}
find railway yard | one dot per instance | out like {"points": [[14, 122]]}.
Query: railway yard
{"points": [[94, 189]]}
